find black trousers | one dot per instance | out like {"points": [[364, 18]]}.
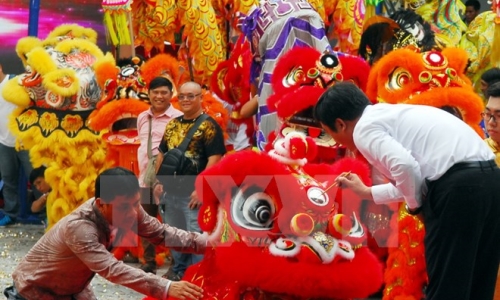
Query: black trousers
{"points": [[462, 241]]}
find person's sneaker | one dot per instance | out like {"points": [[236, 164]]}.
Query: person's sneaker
{"points": [[148, 268], [6, 220]]}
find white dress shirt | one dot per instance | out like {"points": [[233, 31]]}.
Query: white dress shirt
{"points": [[6, 109], [411, 143]]}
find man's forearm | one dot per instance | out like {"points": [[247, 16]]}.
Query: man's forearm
{"points": [[39, 204]]}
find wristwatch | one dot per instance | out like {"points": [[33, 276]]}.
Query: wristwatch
{"points": [[413, 212]]}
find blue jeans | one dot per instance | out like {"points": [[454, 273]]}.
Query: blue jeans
{"points": [[10, 161], [177, 214]]}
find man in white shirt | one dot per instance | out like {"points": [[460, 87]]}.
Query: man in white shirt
{"points": [[426, 151], [10, 160]]}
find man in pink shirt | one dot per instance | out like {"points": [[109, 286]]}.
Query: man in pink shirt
{"points": [[160, 113]]}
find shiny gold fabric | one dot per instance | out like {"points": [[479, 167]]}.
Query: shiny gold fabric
{"points": [[63, 262], [495, 148]]}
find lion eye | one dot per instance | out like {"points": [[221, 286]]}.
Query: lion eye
{"points": [[127, 71], [398, 79], [252, 208], [317, 196], [294, 77]]}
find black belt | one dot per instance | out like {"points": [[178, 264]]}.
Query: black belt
{"points": [[463, 166], [472, 164]]}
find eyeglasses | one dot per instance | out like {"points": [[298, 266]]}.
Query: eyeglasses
{"points": [[189, 97], [487, 116]]}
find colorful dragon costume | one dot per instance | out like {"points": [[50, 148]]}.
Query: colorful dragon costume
{"points": [[428, 78], [272, 27], [205, 24], [155, 22], [276, 232], [55, 96]]}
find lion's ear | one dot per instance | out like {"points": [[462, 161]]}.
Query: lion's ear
{"points": [[25, 45], [105, 69], [457, 59], [40, 61], [15, 93]]}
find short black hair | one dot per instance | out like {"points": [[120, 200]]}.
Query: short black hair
{"points": [[491, 76], [343, 101], [159, 82], [37, 173], [473, 3], [115, 182], [494, 90]]}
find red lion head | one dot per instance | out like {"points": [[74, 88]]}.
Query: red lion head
{"points": [[299, 79], [275, 230]]}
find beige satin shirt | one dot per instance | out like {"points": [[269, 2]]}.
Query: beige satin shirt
{"points": [[63, 262]]}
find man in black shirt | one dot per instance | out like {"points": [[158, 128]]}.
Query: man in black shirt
{"points": [[205, 149]]}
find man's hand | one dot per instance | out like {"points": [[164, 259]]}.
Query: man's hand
{"points": [[44, 197], [185, 290], [353, 182], [157, 192], [195, 202]]}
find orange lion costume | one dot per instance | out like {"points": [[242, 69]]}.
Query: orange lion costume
{"points": [[275, 231], [429, 78]]}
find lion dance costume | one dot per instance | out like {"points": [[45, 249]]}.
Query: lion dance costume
{"points": [[276, 232], [55, 96]]}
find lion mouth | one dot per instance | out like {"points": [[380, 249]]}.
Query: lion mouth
{"points": [[321, 247], [124, 122], [321, 138], [304, 118], [304, 122], [123, 131]]}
